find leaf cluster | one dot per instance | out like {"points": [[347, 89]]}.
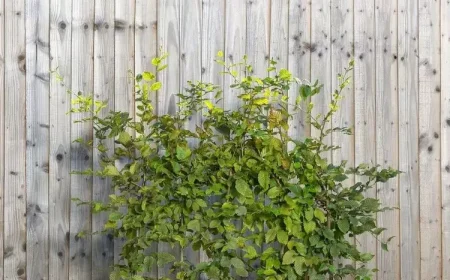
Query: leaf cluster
{"points": [[236, 187]]}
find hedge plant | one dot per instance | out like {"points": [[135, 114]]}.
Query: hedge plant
{"points": [[237, 188]]}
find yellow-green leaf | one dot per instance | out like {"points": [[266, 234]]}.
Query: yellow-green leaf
{"points": [[155, 86]]}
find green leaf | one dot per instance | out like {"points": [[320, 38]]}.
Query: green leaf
{"points": [[241, 272], [343, 225], [282, 237], [250, 252], [155, 86], [334, 251], [263, 179], [243, 188], [124, 138], [111, 170], [148, 76], [273, 192], [328, 233], [271, 234], [241, 211], [320, 215], [164, 258], [183, 152], [237, 263], [298, 266], [194, 225], [305, 91], [309, 226], [309, 214], [289, 257]]}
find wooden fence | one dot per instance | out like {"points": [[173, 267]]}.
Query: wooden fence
{"points": [[398, 103]]}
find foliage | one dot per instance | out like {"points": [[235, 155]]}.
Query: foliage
{"points": [[232, 187]]}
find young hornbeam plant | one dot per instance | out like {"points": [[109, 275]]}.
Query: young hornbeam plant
{"points": [[256, 208]]}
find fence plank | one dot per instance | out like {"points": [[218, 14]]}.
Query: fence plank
{"points": [[213, 40], [258, 35], [80, 266], [408, 63], [37, 164], [59, 161], [190, 69], [146, 48], [124, 13], [321, 60], [169, 39], [279, 33], [299, 59], [445, 136], [2, 129], [102, 245], [14, 237], [387, 132], [364, 80], [235, 45], [342, 51], [429, 142]]}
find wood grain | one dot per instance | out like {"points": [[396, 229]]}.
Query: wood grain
{"points": [[299, 60], [169, 39], [408, 94], [80, 264], [146, 48], [2, 129], [429, 140], [235, 45], [320, 50], [445, 136], [387, 132], [14, 235], [60, 138], [365, 120], [124, 62], [102, 244], [37, 164]]}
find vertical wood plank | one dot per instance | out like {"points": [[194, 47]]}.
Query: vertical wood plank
{"points": [[342, 50], [387, 132], [364, 80], [213, 40], [279, 32], [102, 245], [146, 48], [408, 64], [14, 237], [235, 45], [190, 69], [169, 39], [445, 136], [299, 59], [321, 60], [258, 35], [123, 63], [146, 37], [37, 82], [429, 142], [2, 128], [80, 266], [60, 123]]}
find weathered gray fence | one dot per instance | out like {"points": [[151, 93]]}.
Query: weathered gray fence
{"points": [[398, 103]]}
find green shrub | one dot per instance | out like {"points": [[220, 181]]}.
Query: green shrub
{"points": [[232, 187]]}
